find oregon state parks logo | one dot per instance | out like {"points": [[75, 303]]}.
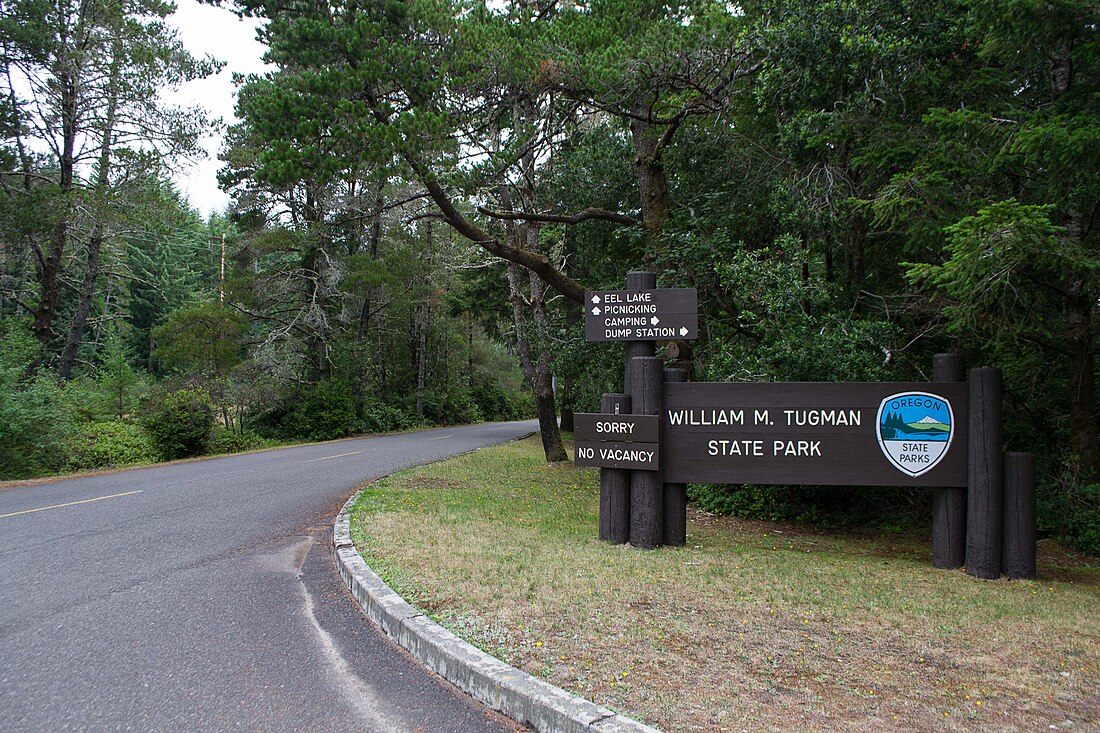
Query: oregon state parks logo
{"points": [[914, 430]]}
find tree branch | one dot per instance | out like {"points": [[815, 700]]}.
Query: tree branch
{"points": [[582, 216]]}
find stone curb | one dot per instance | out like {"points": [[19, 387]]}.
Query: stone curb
{"points": [[526, 699]]}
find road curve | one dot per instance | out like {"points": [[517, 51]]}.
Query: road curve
{"points": [[202, 596]]}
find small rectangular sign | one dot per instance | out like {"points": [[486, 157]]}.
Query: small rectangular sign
{"points": [[862, 434], [641, 315], [635, 456], [621, 428]]}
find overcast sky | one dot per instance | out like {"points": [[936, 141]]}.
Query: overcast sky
{"points": [[219, 33]]}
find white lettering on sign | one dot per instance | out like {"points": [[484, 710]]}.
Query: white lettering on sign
{"points": [[639, 321], [621, 428], [796, 448], [736, 448], [823, 417], [639, 297], [622, 454], [761, 417], [656, 333], [706, 417], [627, 310], [586, 453]]}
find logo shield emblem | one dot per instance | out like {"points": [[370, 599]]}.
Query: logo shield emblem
{"points": [[915, 430]]}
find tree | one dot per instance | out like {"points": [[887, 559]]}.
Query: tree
{"points": [[82, 77]]}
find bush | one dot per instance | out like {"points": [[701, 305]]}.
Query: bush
{"points": [[112, 444], [497, 403], [457, 409], [325, 411], [233, 441], [37, 416], [1083, 520], [378, 417], [820, 505], [181, 423]]}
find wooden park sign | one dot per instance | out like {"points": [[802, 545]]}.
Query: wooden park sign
{"points": [[878, 434], [944, 434], [617, 441], [641, 315]]}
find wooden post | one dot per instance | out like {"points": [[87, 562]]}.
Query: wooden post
{"points": [[1019, 515], [675, 534], [985, 472], [615, 483], [646, 500], [638, 281], [948, 504]]}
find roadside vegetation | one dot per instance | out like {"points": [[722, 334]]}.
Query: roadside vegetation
{"points": [[422, 191], [753, 625]]}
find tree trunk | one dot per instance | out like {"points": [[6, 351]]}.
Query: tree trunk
{"points": [[50, 265], [652, 183], [95, 243], [84, 307], [538, 375], [375, 239], [543, 385]]}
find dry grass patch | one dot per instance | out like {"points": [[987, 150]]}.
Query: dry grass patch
{"points": [[752, 626]]}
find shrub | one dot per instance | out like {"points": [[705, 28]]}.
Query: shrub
{"points": [[1083, 520], [181, 423], [37, 416], [233, 441], [820, 505], [457, 409], [111, 444], [325, 411], [378, 417]]}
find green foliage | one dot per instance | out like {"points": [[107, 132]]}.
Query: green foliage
{"points": [[111, 445], [119, 387], [829, 506], [181, 423], [378, 417], [225, 440], [201, 340], [1083, 523], [325, 411], [37, 417]]}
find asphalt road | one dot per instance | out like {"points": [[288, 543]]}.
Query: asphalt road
{"points": [[203, 596]]}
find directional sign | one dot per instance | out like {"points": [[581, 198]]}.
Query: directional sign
{"points": [[861, 434], [641, 315], [621, 428], [636, 456]]}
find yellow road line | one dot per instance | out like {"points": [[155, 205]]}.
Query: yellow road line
{"points": [[314, 460], [71, 503]]}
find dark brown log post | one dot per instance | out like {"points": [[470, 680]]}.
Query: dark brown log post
{"points": [[948, 504], [615, 483], [985, 472], [638, 281], [675, 534], [646, 489], [1018, 558]]}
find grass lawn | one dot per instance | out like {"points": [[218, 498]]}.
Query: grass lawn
{"points": [[753, 626]]}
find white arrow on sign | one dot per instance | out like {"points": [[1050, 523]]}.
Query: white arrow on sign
{"points": [[596, 311], [684, 331], [655, 320], [595, 299]]}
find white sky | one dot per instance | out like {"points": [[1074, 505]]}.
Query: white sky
{"points": [[219, 33]]}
